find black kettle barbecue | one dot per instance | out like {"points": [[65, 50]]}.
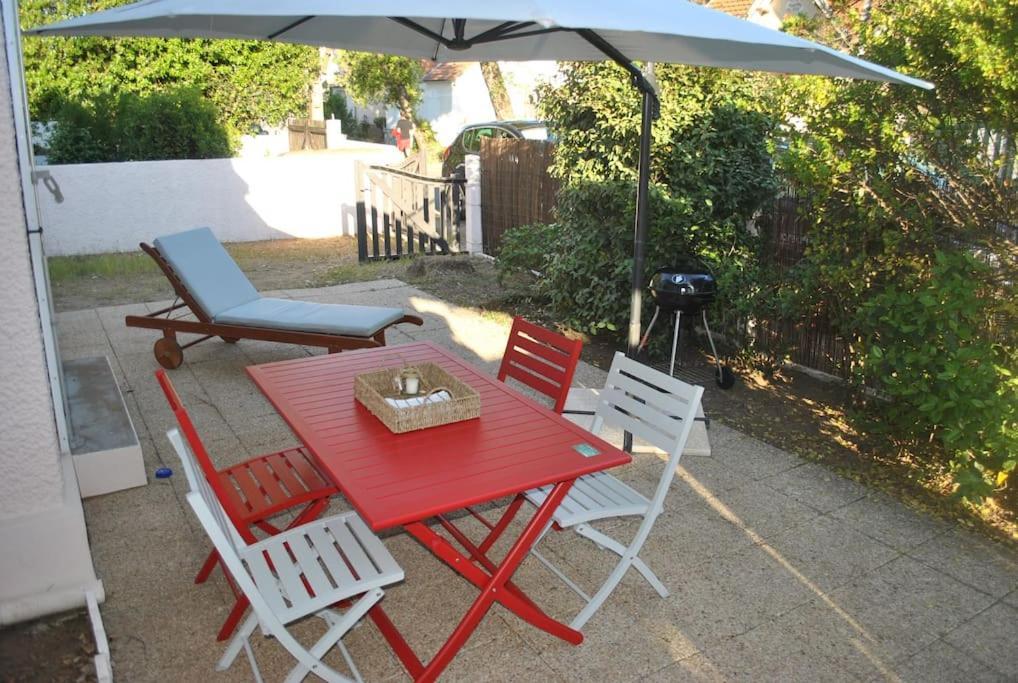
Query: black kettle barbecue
{"points": [[687, 287]]}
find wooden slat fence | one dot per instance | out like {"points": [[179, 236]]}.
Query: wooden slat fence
{"points": [[516, 188], [812, 343]]}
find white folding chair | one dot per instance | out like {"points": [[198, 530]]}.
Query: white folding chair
{"points": [[660, 410], [301, 572]]}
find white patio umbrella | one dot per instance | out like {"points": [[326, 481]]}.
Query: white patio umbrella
{"points": [[675, 31]]}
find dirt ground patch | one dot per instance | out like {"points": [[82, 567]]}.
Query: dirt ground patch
{"points": [[58, 649], [790, 410]]}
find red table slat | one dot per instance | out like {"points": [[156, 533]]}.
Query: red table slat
{"points": [[395, 479]]}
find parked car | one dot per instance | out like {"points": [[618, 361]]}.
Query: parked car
{"points": [[469, 140]]}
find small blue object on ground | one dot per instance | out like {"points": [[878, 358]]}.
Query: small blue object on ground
{"points": [[164, 473]]}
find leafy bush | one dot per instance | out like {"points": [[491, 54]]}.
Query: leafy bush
{"points": [[179, 124], [337, 107], [924, 350], [902, 185], [525, 249], [251, 82], [711, 170]]}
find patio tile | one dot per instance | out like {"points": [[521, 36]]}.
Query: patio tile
{"points": [[707, 477], [804, 645], [827, 553], [942, 663], [505, 661], [1012, 598], [888, 521], [630, 640], [745, 453], [990, 637], [695, 669], [905, 605], [732, 594], [427, 616], [760, 510], [817, 486], [975, 561]]}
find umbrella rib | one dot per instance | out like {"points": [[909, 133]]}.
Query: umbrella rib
{"points": [[500, 31], [613, 53], [525, 34], [414, 26], [273, 36]]}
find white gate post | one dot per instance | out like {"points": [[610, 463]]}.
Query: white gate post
{"points": [[475, 238]]}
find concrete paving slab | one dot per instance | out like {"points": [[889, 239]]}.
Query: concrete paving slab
{"points": [[828, 554], [693, 669], [750, 455], [990, 637], [906, 605], [888, 521], [734, 593], [975, 561], [817, 486], [942, 663]]}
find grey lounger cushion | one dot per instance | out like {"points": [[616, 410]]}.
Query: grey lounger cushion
{"points": [[229, 298], [207, 271], [304, 316]]}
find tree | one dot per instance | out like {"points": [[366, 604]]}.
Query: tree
{"points": [[250, 82], [383, 79], [904, 188], [500, 101]]}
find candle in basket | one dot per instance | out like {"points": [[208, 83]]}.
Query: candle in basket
{"points": [[411, 381]]}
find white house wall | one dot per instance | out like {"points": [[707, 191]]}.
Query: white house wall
{"points": [[45, 563], [470, 104], [29, 474], [113, 207]]}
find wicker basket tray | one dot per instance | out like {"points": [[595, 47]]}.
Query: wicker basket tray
{"points": [[372, 388]]}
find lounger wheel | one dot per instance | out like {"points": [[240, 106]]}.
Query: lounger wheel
{"points": [[230, 340], [168, 353]]}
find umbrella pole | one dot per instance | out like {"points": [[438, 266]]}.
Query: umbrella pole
{"points": [[640, 233], [650, 112], [640, 229]]}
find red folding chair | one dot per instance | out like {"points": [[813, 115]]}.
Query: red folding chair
{"points": [[541, 359], [544, 361], [253, 492]]}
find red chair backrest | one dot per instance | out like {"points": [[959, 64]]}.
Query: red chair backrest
{"points": [[202, 456], [541, 359]]}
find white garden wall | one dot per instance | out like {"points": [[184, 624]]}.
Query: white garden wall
{"points": [[113, 207]]}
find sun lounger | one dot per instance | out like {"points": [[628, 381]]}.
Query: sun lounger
{"points": [[225, 304]]}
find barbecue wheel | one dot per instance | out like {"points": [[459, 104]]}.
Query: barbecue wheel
{"points": [[168, 353], [724, 377]]}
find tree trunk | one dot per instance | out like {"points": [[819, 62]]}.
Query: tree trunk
{"points": [[500, 101]]}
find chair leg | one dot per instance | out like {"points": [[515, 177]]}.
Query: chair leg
{"points": [[233, 619], [237, 644], [206, 569], [609, 543], [328, 641]]}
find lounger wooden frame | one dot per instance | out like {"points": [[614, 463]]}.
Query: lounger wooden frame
{"points": [[170, 353]]}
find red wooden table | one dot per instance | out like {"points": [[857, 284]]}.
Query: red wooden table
{"points": [[409, 479]]}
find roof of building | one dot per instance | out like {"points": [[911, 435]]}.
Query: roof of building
{"points": [[738, 8], [446, 71]]}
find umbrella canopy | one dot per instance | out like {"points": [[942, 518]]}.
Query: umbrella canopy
{"points": [[515, 30], [673, 31]]}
